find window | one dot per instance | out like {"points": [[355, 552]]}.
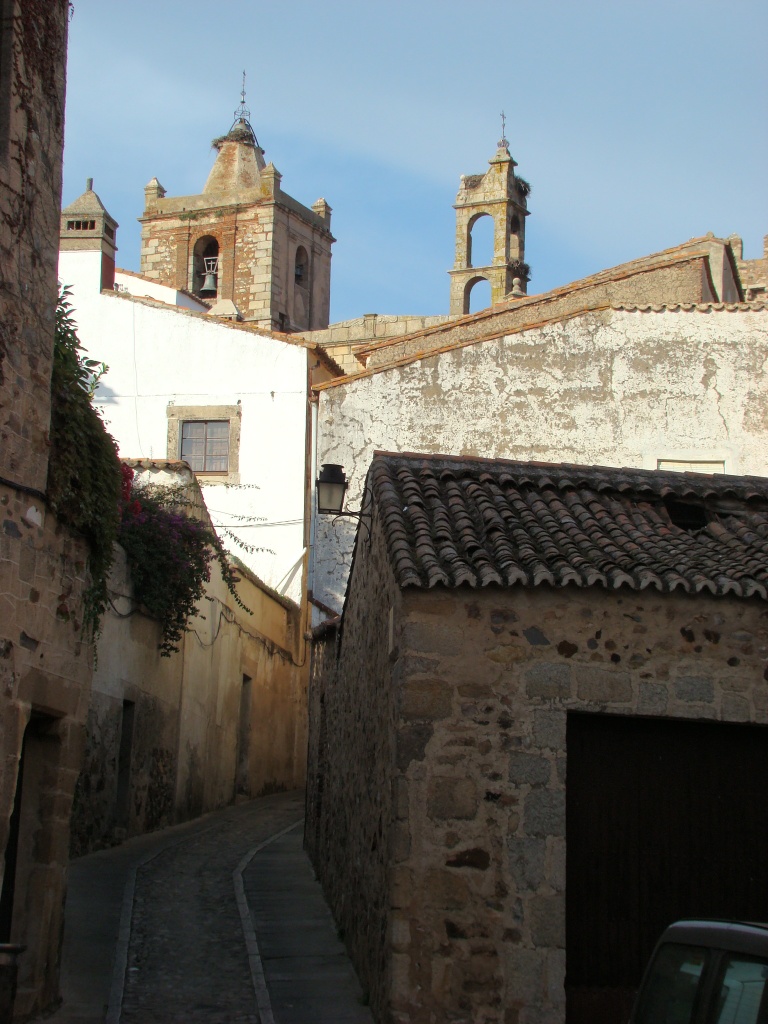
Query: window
{"points": [[207, 438], [81, 225], [692, 466], [205, 445]]}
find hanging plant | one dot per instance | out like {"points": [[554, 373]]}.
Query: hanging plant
{"points": [[169, 554], [83, 468]]}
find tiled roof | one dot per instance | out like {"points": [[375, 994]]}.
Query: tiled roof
{"points": [[455, 521]]}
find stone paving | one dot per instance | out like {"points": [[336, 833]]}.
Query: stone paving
{"points": [[157, 933]]}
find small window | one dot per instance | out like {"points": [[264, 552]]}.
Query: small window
{"points": [[108, 231], [691, 466], [205, 445], [207, 438]]}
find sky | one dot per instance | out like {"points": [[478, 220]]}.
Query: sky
{"points": [[638, 125]]}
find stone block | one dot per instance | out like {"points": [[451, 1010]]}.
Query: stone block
{"points": [[444, 889], [602, 686], [527, 862], [525, 974], [696, 689], [547, 920], [452, 798], [652, 698], [531, 769], [735, 708], [425, 698], [433, 635], [549, 729], [548, 681], [411, 743], [544, 813]]}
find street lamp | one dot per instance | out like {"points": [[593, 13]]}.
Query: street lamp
{"points": [[331, 486]]}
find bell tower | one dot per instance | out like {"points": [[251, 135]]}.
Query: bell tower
{"points": [[242, 244], [502, 196]]}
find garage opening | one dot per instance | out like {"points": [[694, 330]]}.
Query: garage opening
{"points": [[665, 819]]}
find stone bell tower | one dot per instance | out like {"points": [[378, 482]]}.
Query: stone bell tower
{"points": [[502, 196], [243, 244]]}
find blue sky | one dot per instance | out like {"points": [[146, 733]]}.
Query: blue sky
{"points": [[639, 125]]}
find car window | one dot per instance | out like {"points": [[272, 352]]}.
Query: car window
{"points": [[743, 992], [669, 996]]}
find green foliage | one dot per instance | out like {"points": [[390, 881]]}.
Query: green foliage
{"points": [[83, 469], [169, 554]]}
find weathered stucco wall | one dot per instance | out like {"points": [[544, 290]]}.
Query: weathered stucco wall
{"points": [[614, 388], [172, 738], [473, 795]]}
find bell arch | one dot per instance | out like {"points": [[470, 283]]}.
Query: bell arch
{"points": [[481, 239], [205, 267], [477, 294]]}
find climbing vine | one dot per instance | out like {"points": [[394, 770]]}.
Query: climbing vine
{"points": [[169, 553], [83, 468]]}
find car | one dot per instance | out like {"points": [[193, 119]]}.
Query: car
{"points": [[706, 972]]}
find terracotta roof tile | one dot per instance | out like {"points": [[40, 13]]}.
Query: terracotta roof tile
{"points": [[455, 521]]}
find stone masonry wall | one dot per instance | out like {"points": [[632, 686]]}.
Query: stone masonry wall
{"points": [[351, 832], [31, 140], [486, 679], [45, 674], [45, 662]]}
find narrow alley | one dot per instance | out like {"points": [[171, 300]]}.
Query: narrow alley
{"points": [[217, 921]]}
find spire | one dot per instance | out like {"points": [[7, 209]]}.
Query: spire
{"points": [[241, 159]]}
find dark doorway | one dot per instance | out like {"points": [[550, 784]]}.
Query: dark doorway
{"points": [[124, 760], [665, 819], [242, 784], [31, 825]]}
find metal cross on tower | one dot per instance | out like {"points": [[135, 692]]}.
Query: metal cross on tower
{"points": [[503, 141]]}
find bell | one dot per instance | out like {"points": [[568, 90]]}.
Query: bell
{"points": [[209, 284]]}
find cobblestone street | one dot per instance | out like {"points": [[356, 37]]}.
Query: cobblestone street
{"points": [[218, 921]]}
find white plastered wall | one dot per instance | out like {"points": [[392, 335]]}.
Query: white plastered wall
{"points": [[158, 356], [613, 388]]}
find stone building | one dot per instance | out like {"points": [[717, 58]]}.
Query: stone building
{"points": [[753, 273], [46, 665], [546, 696], [578, 375], [243, 243], [171, 738]]}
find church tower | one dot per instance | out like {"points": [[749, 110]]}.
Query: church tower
{"points": [[500, 195], [243, 244], [88, 237]]}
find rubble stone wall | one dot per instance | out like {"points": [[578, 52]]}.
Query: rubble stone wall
{"points": [[351, 833], [478, 889]]}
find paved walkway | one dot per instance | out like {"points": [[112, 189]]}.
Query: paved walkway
{"points": [[217, 921]]}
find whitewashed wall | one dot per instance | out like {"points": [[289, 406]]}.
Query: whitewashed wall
{"points": [[161, 355], [139, 286], [613, 388]]}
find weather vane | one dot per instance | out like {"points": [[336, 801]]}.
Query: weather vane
{"points": [[503, 141], [242, 113], [243, 116]]}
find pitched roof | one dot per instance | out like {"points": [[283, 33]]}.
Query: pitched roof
{"points": [[455, 521]]}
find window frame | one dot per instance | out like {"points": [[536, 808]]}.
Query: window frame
{"points": [[178, 415]]}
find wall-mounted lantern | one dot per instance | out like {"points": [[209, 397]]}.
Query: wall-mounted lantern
{"points": [[331, 486]]}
